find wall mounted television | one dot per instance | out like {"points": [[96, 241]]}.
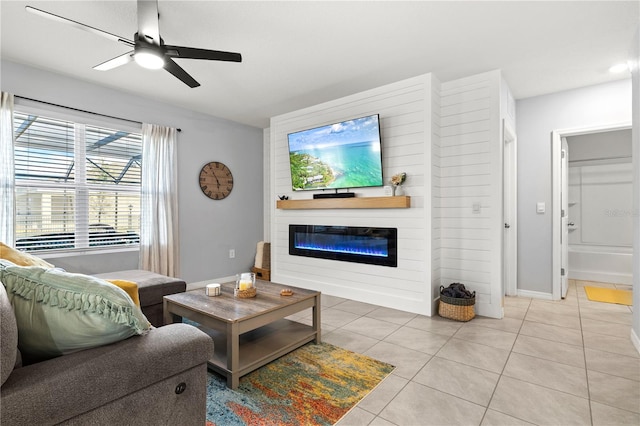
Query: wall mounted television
{"points": [[347, 154]]}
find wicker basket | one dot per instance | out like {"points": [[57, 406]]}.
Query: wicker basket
{"points": [[261, 273], [246, 294], [457, 309]]}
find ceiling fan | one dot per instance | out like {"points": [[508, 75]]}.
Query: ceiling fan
{"points": [[149, 50]]}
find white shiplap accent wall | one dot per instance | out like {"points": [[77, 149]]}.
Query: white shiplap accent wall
{"points": [[406, 114], [470, 173], [267, 196]]}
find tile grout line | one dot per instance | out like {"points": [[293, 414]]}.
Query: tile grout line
{"points": [[410, 380], [398, 392], [502, 372], [450, 337], [584, 354], [587, 368], [417, 372]]}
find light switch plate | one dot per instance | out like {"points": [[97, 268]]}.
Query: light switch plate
{"points": [[540, 207], [476, 207]]}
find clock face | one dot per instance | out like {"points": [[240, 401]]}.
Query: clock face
{"points": [[216, 180]]}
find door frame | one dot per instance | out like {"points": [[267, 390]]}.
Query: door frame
{"points": [[510, 210], [564, 218], [556, 228]]}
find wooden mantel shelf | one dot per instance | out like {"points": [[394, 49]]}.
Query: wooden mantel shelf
{"points": [[400, 202]]}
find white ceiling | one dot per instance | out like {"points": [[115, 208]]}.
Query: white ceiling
{"points": [[298, 54]]}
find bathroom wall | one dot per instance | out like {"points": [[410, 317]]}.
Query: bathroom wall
{"points": [[600, 206]]}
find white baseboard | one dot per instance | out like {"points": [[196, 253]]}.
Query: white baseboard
{"points": [[384, 299], [635, 340], [202, 284], [535, 294]]}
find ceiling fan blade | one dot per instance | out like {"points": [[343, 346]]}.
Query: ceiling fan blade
{"points": [[148, 21], [193, 53], [179, 73], [79, 25], [115, 62]]}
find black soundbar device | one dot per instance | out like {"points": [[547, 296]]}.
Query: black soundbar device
{"points": [[336, 195]]}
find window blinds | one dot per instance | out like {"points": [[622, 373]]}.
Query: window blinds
{"points": [[77, 186]]}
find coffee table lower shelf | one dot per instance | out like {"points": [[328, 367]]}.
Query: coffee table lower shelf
{"points": [[248, 333], [260, 346]]}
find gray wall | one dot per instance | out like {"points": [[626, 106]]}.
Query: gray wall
{"points": [[208, 229], [600, 189], [537, 117]]}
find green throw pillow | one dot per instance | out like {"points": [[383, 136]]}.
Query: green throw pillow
{"points": [[59, 312]]}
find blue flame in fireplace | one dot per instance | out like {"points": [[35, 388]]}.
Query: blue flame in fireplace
{"points": [[362, 246]]}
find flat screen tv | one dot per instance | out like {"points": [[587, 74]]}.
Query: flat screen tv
{"points": [[342, 155]]}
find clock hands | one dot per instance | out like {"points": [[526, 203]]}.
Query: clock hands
{"points": [[223, 179], [213, 172]]}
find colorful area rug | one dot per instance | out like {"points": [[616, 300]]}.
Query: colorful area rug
{"points": [[609, 295], [314, 385]]}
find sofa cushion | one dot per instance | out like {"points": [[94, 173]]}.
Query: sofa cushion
{"points": [[59, 312], [8, 336], [21, 258], [130, 288], [152, 287]]}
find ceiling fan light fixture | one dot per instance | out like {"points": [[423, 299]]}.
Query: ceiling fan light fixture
{"points": [[149, 50], [149, 58]]}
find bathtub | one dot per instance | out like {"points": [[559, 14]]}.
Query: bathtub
{"points": [[606, 264]]}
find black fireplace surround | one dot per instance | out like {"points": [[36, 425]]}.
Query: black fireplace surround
{"points": [[360, 244]]}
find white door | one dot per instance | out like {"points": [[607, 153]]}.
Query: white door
{"points": [[509, 200], [564, 218]]}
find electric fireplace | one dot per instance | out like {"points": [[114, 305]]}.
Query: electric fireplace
{"points": [[360, 244]]}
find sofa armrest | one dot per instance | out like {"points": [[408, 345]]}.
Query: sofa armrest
{"points": [[64, 387]]}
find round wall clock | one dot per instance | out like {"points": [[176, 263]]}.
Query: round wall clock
{"points": [[216, 180]]}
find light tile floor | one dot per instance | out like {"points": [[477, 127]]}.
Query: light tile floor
{"points": [[545, 363]]}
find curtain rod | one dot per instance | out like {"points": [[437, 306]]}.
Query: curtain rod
{"points": [[80, 110]]}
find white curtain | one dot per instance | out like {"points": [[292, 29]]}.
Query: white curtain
{"points": [[7, 176], [159, 244]]}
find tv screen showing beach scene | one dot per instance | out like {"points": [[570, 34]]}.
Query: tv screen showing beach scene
{"points": [[341, 155]]}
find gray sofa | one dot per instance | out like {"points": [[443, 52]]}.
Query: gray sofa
{"points": [[155, 379]]}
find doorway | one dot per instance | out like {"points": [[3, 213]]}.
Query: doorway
{"points": [[562, 205], [509, 203]]}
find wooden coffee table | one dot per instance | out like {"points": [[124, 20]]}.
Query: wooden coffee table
{"points": [[247, 333]]}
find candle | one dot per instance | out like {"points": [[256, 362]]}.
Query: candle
{"points": [[245, 285], [213, 289]]}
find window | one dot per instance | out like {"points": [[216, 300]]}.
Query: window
{"points": [[77, 185]]}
